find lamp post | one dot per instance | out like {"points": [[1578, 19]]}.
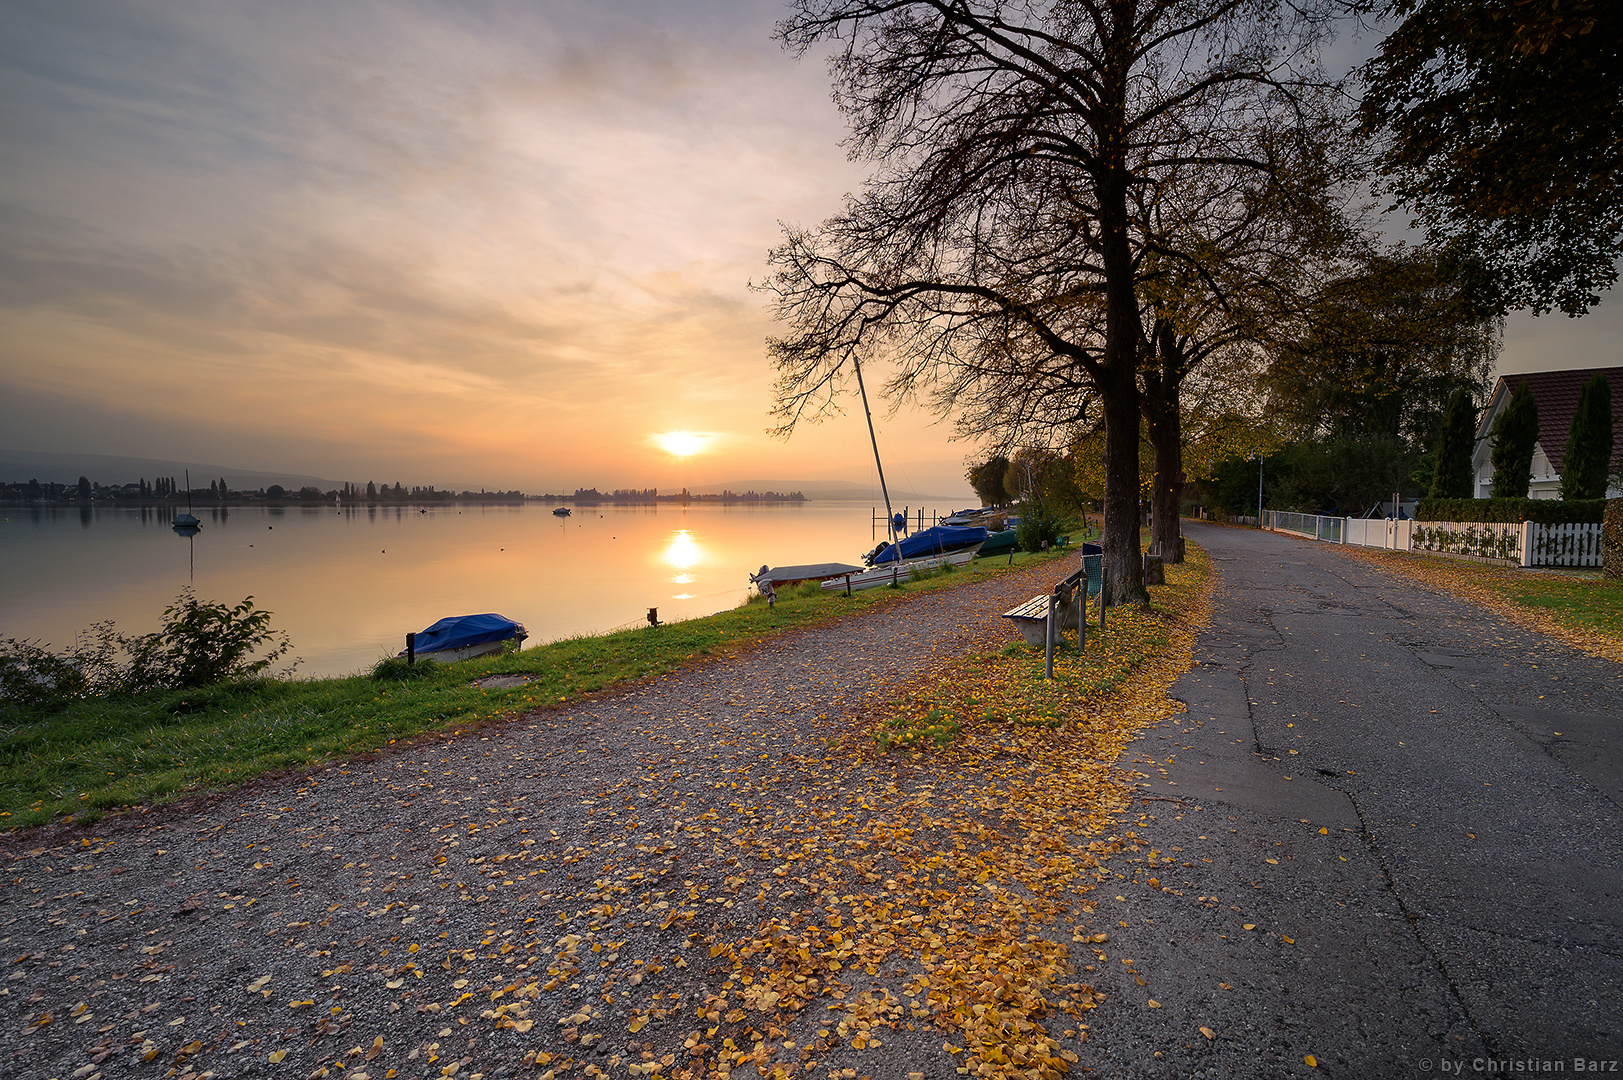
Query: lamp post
{"points": [[1258, 456]]}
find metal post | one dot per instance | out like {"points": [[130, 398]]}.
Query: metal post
{"points": [[1259, 489], [1081, 603], [1101, 594], [411, 649], [1048, 645]]}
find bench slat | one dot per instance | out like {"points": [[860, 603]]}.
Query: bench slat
{"points": [[1035, 608]]}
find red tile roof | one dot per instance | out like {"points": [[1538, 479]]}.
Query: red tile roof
{"points": [[1556, 393]]}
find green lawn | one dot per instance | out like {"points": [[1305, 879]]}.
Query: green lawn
{"points": [[104, 753], [1578, 602]]}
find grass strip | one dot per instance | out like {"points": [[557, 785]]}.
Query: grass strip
{"points": [[1007, 687], [102, 754], [1578, 607]]}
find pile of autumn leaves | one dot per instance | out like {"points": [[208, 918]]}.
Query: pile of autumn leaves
{"points": [[960, 875]]}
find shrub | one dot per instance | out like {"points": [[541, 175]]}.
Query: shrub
{"points": [[1542, 511], [1038, 524], [395, 667], [34, 677], [199, 644]]}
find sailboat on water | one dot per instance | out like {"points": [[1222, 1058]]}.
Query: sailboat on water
{"points": [[899, 559], [188, 520]]}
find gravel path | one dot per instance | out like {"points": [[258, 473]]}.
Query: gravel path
{"points": [[545, 886]]}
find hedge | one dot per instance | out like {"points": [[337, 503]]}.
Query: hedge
{"points": [[1611, 540], [1541, 511]]}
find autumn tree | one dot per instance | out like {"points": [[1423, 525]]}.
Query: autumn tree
{"points": [[1452, 477], [1588, 456], [997, 246], [1501, 121], [1381, 348], [1515, 435], [986, 477]]}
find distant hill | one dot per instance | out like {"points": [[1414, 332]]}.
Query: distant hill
{"points": [[111, 471]]}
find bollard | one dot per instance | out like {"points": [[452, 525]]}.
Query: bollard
{"points": [[1101, 594], [411, 649], [1048, 646], [1082, 610]]}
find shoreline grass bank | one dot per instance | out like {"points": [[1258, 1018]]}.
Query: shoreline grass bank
{"points": [[107, 754]]}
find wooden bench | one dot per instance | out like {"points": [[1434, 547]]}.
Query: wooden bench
{"points": [[1031, 617]]}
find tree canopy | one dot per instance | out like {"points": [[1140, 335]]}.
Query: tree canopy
{"points": [[1502, 121], [998, 256]]}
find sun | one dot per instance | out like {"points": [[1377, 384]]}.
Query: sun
{"points": [[680, 443]]}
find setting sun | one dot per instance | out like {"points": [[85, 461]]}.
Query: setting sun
{"points": [[680, 443]]}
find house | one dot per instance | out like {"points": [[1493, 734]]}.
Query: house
{"points": [[1556, 393]]}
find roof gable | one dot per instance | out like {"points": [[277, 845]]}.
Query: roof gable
{"points": [[1556, 393]]}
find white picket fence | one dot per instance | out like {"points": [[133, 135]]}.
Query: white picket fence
{"points": [[1514, 544], [1561, 545]]}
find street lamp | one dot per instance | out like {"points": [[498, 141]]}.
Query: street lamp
{"points": [[1258, 456]]}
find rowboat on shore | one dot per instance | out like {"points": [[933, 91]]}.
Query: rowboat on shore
{"points": [[462, 637], [782, 577]]}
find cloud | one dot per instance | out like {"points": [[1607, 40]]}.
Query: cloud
{"points": [[413, 233]]}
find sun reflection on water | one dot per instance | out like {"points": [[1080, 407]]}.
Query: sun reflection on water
{"points": [[683, 554]]}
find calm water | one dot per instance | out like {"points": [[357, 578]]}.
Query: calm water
{"points": [[348, 584]]}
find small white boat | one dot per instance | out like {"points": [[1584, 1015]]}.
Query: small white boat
{"points": [[887, 573], [562, 511], [783, 576]]}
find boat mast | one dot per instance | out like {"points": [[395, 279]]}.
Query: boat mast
{"points": [[890, 520]]}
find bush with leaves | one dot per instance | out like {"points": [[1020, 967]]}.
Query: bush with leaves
{"points": [[199, 644], [34, 677], [1039, 525]]}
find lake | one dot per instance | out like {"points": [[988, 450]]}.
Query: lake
{"points": [[348, 584]]}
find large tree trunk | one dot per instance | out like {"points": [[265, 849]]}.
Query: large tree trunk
{"points": [[1118, 372], [1123, 563], [1165, 422]]}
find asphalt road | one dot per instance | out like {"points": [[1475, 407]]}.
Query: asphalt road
{"points": [[1415, 805]]}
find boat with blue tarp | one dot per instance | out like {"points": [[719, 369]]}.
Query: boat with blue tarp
{"points": [[461, 637], [934, 541]]}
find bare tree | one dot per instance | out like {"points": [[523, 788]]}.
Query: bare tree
{"points": [[996, 256]]}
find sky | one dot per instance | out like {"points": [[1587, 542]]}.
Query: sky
{"points": [[484, 243]]}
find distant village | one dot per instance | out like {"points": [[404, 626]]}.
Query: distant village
{"points": [[164, 491]]}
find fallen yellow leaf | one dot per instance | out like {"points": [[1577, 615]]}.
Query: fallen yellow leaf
{"points": [[276, 1056], [1312, 1062], [1208, 1032]]}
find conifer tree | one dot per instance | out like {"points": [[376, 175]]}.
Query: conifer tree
{"points": [[1589, 443], [1515, 434], [1452, 478]]}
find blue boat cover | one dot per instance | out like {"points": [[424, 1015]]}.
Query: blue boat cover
{"points": [[460, 631], [932, 541]]}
